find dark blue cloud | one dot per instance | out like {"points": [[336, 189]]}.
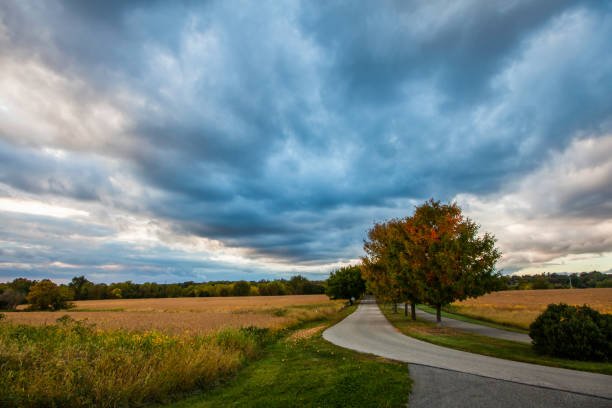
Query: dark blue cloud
{"points": [[288, 129]]}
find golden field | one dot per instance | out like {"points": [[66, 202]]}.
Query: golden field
{"points": [[521, 307], [194, 315], [134, 352]]}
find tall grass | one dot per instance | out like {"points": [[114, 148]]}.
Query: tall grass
{"points": [[73, 364]]}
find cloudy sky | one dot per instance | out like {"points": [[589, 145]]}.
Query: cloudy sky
{"points": [[173, 141]]}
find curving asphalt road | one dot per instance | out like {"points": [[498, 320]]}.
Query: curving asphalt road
{"points": [[368, 331]]}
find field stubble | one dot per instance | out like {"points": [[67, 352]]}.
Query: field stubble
{"points": [[520, 308], [194, 315]]}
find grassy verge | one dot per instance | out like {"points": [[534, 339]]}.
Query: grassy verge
{"points": [[304, 370], [474, 319], [488, 346]]}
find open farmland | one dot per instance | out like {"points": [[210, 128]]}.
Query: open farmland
{"points": [[520, 307], [195, 315], [139, 351]]}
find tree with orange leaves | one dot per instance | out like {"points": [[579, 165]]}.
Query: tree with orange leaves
{"points": [[435, 256], [452, 259]]}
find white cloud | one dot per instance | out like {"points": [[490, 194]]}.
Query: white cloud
{"points": [[39, 208], [43, 107], [561, 210]]}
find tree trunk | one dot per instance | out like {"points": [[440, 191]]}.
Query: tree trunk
{"points": [[406, 309], [413, 310], [438, 314]]}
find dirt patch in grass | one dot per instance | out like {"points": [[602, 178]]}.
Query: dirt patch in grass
{"points": [[305, 333]]}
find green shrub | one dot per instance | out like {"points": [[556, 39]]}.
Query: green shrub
{"points": [[579, 333]]}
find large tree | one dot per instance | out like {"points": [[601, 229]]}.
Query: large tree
{"points": [[454, 261], [435, 256], [345, 283]]}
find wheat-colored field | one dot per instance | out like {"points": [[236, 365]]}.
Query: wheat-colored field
{"points": [[140, 350], [193, 315], [521, 307]]}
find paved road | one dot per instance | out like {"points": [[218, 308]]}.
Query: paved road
{"points": [[368, 331], [436, 387], [476, 328]]}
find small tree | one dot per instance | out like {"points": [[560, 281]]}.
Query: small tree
{"points": [[345, 283], [46, 295], [10, 298], [385, 267]]}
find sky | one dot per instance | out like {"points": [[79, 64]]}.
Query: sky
{"points": [[188, 140]]}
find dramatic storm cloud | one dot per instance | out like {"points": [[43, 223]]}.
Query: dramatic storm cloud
{"points": [[187, 140]]}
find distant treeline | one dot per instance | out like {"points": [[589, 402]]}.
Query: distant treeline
{"points": [[582, 280], [80, 288]]}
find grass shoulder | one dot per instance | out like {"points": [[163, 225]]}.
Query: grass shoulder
{"points": [[302, 369], [471, 319], [473, 343]]}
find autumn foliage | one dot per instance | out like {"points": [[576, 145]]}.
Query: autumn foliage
{"points": [[435, 256]]}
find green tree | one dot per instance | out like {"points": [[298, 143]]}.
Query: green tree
{"points": [[22, 285], [241, 288], [297, 284], [345, 283], [224, 290], [274, 288], [378, 267], [386, 266], [46, 295], [10, 298], [81, 287]]}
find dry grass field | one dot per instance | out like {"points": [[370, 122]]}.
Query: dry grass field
{"points": [[521, 307], [193, 315], [135, 352]]}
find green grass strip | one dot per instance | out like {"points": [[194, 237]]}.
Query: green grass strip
{"points": [[311, 372], [488, 346], [469, 319]]}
